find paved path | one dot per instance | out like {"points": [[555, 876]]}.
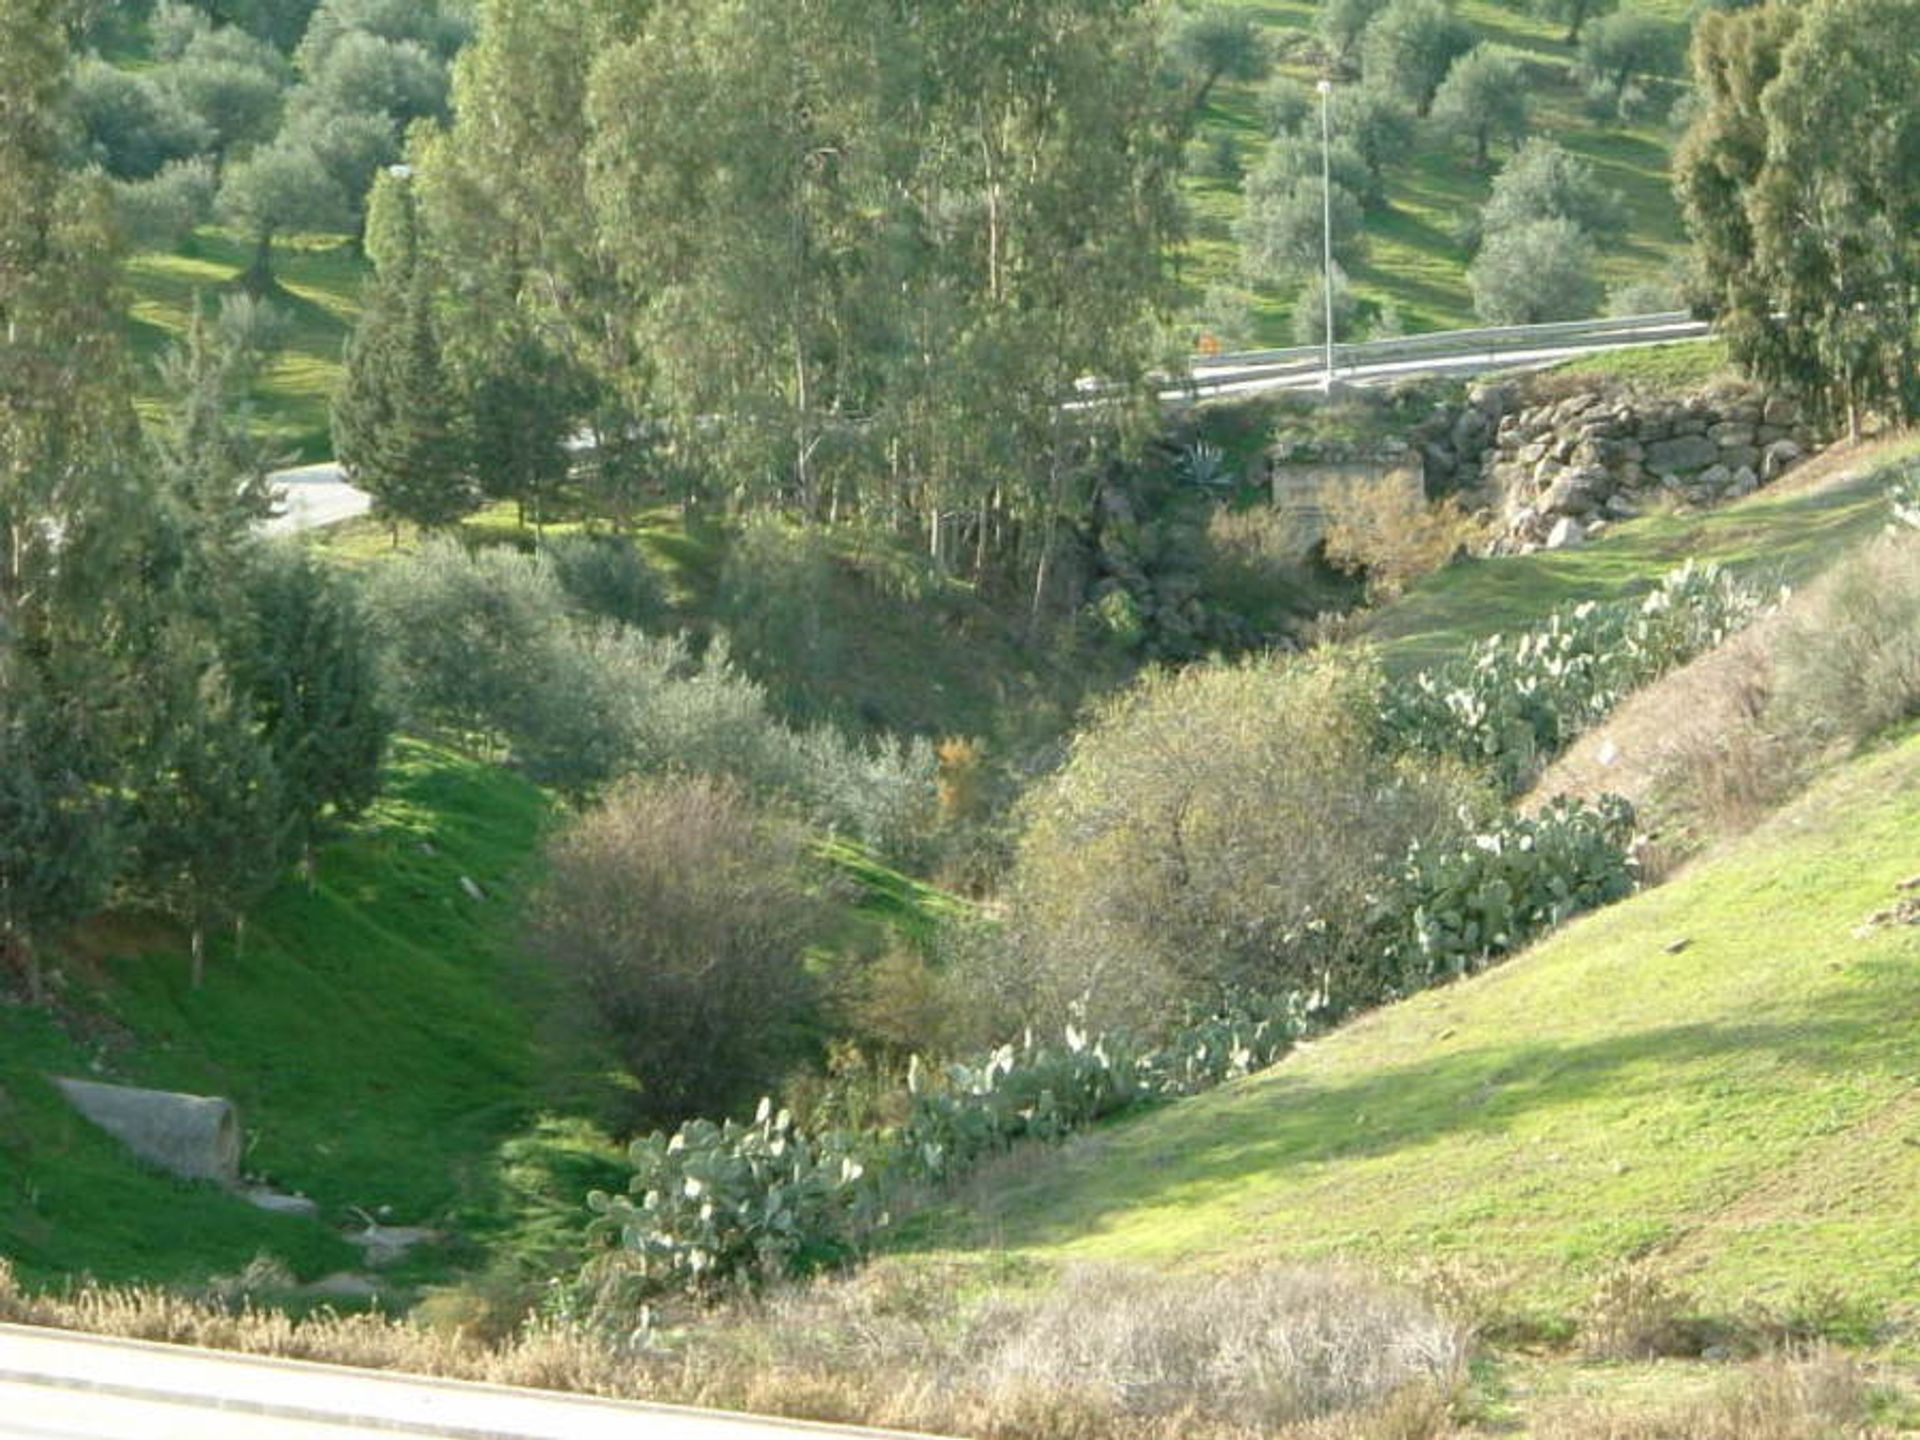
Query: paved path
{"points": [[314, 495], [55, 1385]]}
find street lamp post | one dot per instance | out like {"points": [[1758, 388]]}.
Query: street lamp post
{"points": [[1326, 214]]}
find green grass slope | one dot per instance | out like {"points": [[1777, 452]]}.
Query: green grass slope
{"points": [[374, 1034], [1745, 1108], [1783, 536], [319, 299]]}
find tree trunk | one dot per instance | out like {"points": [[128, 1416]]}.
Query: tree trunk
{"points": [[258, 280], [199, 950]]}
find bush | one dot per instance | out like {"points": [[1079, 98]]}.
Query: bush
{"points": [[1391, 532], [1514, 702], [677, 914], [607, 577], [1217, 831], [1532, 273]]}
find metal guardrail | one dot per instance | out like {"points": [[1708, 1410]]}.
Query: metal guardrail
{"points": [[1212, 372]]}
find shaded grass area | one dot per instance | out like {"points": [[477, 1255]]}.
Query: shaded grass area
{"points": [[374, 1034], [1416, 256], [1742, 1108], [319, 297], [1786, 537]]}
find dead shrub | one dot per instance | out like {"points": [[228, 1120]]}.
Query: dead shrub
{"points": [[1108, 1354], [1391, 532], [1817, 1395], [1635, 1313], [1849, 664]]}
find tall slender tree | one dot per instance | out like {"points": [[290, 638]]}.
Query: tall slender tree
{"points": [[396, 416]]}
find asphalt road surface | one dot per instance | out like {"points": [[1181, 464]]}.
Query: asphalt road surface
{"points": [[55, 1385], [314, 495]]}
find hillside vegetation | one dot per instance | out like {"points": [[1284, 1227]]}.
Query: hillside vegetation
{"points": [[374, 1034], [1715, 1076]]}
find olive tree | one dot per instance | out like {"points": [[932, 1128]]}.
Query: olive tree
{"points": [[1216, 830], [677, 915]]}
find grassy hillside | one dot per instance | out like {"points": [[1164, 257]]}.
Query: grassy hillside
{"points": [[1787, 534], [319, 298], [1718, 1074], [374, 1035], [1414, 258]]}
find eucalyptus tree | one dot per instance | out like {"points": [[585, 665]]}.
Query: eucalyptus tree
{"points": [[880, 245], [75, 517], [1803, 212]]}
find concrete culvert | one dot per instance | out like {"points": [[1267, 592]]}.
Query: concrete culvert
{"points": [[196, 1137]]}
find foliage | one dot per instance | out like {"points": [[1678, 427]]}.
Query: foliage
{"points": [[1575, 12], [1214, 43], [1623, 47], [1545, 182], [1283, 229], [1310, 310], [1216, 831], [1483, 99], [677, 916], [1409, 47], [131, 126], [277, 189], [1389, 531], [1535, 271], [1512, 703]]}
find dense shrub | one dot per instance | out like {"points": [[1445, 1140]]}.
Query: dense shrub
{"points": [[1215, 831], [1455, 906], [1848, 666], [608, 577], [1514, 702], [677, 915], [514, 648]]}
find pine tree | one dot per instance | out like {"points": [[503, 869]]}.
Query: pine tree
{"points": [[306, 664], [211, 466], [396, 416], [211, 817]]}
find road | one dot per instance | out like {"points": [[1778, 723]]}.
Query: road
{"points": [[314, 495], [1456, 352], [55, 1385]]}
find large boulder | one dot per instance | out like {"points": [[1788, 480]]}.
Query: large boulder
{"points": [[1682, 454], [196, 1137]]}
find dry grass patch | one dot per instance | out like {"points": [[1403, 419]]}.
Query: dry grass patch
{"points": [[1711, 749], [1819, 1395], [1106, 1354]]}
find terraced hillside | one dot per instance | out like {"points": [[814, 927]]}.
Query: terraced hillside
{"points": [[1415, 258]]}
